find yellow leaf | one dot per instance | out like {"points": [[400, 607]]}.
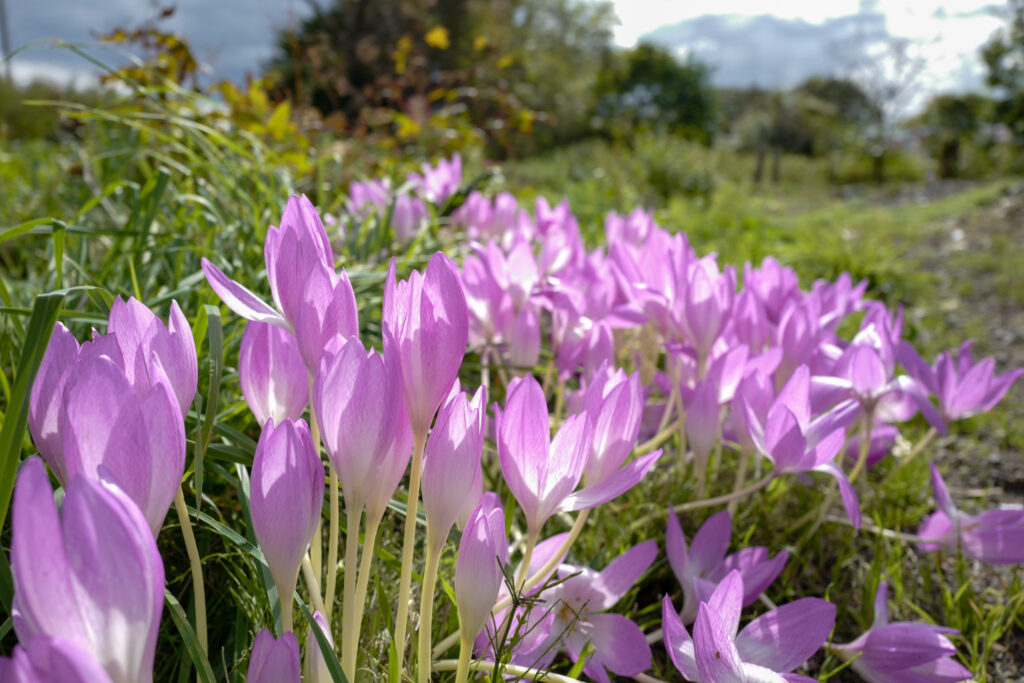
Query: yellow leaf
{"points": [[479, 43], [506, 61], [277, 125], [401, 54], [437, 37]]}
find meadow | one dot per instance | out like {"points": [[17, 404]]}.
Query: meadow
{"points": [[131, 202]]}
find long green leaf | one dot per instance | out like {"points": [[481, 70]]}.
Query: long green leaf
{"points": [[330, 657], [188, 636], [215, 338], [40, 325]]}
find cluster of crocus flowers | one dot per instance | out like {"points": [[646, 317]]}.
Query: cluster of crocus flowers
{"points": [[758, 373]]}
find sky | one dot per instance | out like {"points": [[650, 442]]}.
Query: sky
{"points": [[747, 42]]}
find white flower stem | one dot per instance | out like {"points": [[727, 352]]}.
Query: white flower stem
{"points": [[408, 545], [461, 666], [349, 649], [427, 605]]}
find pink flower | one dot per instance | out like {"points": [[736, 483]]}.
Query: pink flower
{"points": [[90, 574], [274, 660], [903, 651], [427, 324], [310, 300], [767, 649], [994, 536], [287, 496]]}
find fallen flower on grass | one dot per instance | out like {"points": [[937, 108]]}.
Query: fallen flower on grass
{"points": [[902, 651], [765, 651], [702, 566], [994, 536]]}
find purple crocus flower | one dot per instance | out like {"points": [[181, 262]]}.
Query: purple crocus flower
{"points": [[438, 183], [766, 650], [141, 335], [994, 536], [90, 574], [451, 461], [140, 441], [483, 551], [701, 567], [287, 496], [364, 196], [706, 303], [902, 651], [362, 419], [274, 660], [772, 284], [408, 217], [615, 404], [542, 472], [427, 323], [579, 606], [316, 670], [963, 387], [51, 660], [634, 228], [310, 300], [795, 443], [271, 373]]}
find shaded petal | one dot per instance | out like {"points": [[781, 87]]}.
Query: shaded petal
{"points": [[621, 573], [787, 636], [619, 645], [274, 660], [846, 492]]}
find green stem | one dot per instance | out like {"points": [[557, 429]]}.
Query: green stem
{"points": [[427, 604], [741, 476], [332, 544], [408, 545], [198, 589], [354, 511], [865, 446]]}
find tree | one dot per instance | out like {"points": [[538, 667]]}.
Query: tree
{"points": [[953, 120], [647, 87], [526, 65], [1003, 55]]}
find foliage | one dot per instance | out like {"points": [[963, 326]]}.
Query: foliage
{"points": [[647, 88], [1003, 55]]}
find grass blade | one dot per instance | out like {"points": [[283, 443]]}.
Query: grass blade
{"points": [[188, 636]]}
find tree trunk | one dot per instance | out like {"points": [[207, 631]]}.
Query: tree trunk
{"points": [[759, 169]]}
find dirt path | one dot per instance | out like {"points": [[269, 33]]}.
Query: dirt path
{"points": [[977, 261]]}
